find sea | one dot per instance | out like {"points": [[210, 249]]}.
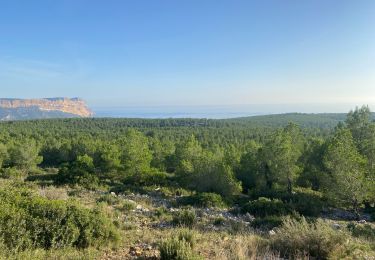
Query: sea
{"points": [[215, 112]]}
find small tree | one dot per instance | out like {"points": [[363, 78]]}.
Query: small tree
{"points": [[204, 170], [135, 155], [280, 156], [81, 171], [25, 155], [347, 170], [213, 175], [108, 159], [3, 154], [249, 169]]}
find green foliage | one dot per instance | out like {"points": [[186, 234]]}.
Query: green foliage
{"points": [[109, 199], [205, 200], [249, 168], [306, 202], [128, 205], [280, 157], [185, 218], [151, 178], [347, 168], [3, 154], [179, 247], [303, 200], [267, 222], [28, 221], [313, 175], [205, 171], [365, 231], [108, 159], [9, 173], [263, 207], [24, 155], [176, 249], [81, 172], [363, 132], [188, 236], [135, 153], [296, 238], [219, 221]]}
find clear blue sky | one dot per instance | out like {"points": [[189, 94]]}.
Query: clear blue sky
{"points": [[189, 52]]}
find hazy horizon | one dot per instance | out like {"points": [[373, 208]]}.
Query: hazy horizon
{"points": [[218, 112]]}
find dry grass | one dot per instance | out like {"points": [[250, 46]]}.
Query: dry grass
{"points": [[53, 193]]}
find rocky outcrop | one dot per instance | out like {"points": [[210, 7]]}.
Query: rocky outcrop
{"points": [[69, 106]]}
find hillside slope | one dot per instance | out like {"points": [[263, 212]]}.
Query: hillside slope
{"points": [[23, 109]]}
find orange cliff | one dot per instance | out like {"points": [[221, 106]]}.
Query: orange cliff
{"points": [[74, 106]]}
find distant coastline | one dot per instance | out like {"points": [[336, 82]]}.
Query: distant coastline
{"points": [[216, 112]]}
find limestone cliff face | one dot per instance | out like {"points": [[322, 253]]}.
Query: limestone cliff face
{"points": [[74, 106]]}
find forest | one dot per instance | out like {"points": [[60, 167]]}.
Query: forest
{"points": [[284, 186]]}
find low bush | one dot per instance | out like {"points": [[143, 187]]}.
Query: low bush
{"points": [[175, 249], [237, 227], [109, 199], [365, 231], [80, 172], [301, 239], [170, 191], [53, 193], [188, 236], [28, 221], [267, 223], [10, 173], [128, 205], [306, 202], [263, 207], [219, 221], [151, 177], [186, 218], [179, 247], [205, 200], [43, 254], [162, 214]]}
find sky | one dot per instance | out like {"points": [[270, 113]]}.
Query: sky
{"points": [[189, 52]]}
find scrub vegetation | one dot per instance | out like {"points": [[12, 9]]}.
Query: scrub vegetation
{"points": [[269, 187]]}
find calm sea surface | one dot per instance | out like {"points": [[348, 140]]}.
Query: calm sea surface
{"points": [[217, 112]]}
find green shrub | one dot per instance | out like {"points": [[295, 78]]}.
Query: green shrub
{"points": [[128, 205], [151, 177], [162, 213], [13, 172], [187, 218], [156, 178], [263, 207], [168, 191], [237, 227], [219, 221], [109, 199], [306, 202], [43, 254], [188, 236], [28, 221], [175, 249], [179, 247], [81, 172], [296, 238], [268, 222], [205, 200], [365, 231]]}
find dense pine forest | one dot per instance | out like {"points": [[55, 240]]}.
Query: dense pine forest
{"points": [[281, 186]]}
